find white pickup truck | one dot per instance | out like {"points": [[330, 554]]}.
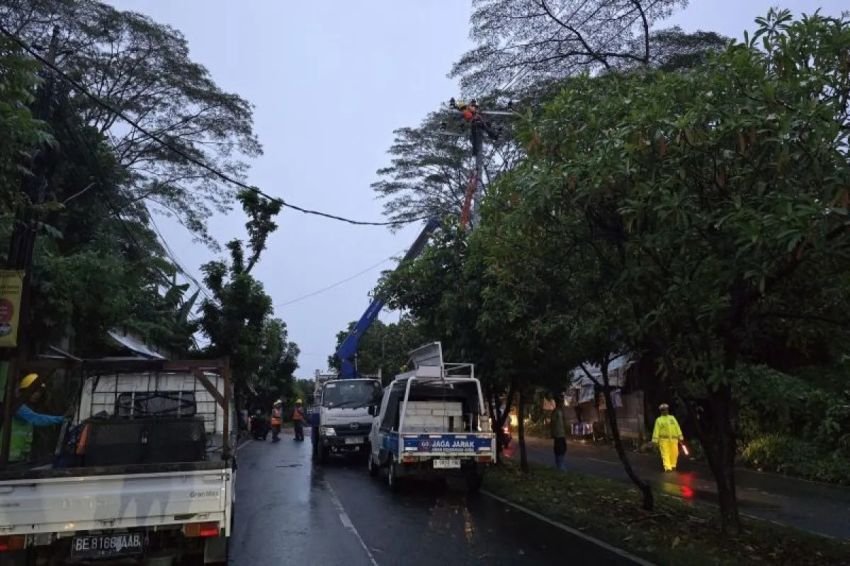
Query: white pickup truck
{"points": [[145, 473], [432, 422]]}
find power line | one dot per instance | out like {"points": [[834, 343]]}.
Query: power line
{"points": [[171, 255], [223, 176], [338, 283]]}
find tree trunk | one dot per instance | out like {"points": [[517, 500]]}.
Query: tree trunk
{"points": [[611, 415], [523, 455], [717, 437]]}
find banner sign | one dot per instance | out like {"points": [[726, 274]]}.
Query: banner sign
{"points": [[11, 285], [447, 443]]}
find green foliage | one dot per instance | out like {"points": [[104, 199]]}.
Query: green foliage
{"points": [[238, 319], [143, 68], [21, 132], [797, 457]]}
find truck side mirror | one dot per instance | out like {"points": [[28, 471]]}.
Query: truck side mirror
{"points": [[373, 410]]}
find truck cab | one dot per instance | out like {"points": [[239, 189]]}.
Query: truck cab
{"points": [[341, 416], [432, 422]]}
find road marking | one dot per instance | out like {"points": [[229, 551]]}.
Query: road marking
{"points": [[249, 441], [346, 522], [572, 531]]}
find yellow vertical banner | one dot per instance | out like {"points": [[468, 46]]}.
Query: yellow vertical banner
{"points": [[11, 285]]}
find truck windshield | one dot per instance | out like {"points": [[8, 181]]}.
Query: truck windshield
{"points": [[351, 394]]}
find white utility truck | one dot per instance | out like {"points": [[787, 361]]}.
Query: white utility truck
{"points": [[341, 419], [144, 473], [432, 421]]}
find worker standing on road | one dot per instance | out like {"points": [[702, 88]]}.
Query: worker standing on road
{"points": [[667, 436], [277, 420], [559, 432], [298, 419]]}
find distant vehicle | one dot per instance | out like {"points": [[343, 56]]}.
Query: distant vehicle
{"points": [[432, 422], [259, 426], [145, 469]]}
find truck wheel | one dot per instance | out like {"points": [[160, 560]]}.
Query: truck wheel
{"points": [[370, 465], [321, 454], [474, 480], [393, 481]]}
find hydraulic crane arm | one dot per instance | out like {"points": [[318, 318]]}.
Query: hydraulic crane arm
{"points": [[347, 351]]}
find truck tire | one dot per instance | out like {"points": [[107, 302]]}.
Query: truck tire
{"points": [[371, 466], [321, 453], [474, 480], [393, 481]]}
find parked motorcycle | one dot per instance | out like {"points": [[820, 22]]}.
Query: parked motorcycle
{"points": [[506, 436], [259, 426]]}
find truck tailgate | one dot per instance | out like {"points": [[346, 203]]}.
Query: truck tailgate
{"points": [[454, 444], [80, 503]]}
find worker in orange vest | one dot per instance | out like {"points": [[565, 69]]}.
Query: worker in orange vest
{"points": [[298, 419], [277, 420]]}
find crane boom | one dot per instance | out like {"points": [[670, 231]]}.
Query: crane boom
{"points": [[347, 351]]}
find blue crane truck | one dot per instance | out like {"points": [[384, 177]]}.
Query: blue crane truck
{"points": [[340, 418]]}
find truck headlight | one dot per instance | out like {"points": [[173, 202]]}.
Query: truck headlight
{"points": [[327, 431]]}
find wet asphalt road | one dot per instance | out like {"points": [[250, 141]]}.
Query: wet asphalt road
{"points": [[290, 511]]}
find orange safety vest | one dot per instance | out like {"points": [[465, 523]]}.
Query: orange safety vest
{"points": [[298, 415], [276, 420]]}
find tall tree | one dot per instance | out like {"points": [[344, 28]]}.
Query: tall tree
{"points": [[143, 69], [238, 319], [432, 166], [521, 43], [711, 199]]}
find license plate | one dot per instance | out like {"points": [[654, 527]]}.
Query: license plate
{"points": [[354, 440], [446, 464], [102, 546]]}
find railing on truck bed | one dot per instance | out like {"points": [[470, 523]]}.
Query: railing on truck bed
{"points": [[116, 392]]}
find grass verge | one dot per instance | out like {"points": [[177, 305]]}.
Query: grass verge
{"points": [[674, 533]]}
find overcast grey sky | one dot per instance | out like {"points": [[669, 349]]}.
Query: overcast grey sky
{"points": [[330, 81]]}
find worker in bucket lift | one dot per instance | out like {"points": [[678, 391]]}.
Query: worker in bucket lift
{"points": [[277, 420], [667, 435], [26, 419]]}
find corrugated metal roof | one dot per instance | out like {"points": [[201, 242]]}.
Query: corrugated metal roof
{"points": [[135, 345]]}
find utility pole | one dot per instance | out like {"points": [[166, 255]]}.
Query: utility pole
{"points": [[22, 245]]}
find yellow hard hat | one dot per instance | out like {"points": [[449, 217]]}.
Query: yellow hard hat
{"points": [[28, 380], [298, 401]]}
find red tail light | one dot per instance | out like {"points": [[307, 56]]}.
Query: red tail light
{"points": [[14, 542], [202, 530]]}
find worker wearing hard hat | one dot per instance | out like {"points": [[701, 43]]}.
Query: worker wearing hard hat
{"points": [[667, 435], [24, 421], [298, 419], [277, 420]]}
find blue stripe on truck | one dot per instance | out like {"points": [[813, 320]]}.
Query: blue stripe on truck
{"points": [[446, 443]]}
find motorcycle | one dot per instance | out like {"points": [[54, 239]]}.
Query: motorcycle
{"points": [[259, 427], [506, 436]]}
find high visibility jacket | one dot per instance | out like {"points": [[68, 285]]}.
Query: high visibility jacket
{"points": [[276, 417], [298, 415], [666, 428]]}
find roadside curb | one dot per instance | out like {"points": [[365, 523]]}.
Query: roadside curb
{"points": [[610, 548]]}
